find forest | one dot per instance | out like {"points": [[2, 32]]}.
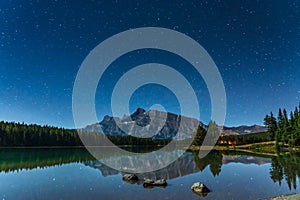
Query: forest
{"points": [[19, 134], [284, 130]]}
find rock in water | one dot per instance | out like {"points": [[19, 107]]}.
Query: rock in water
{"points": [[200, 189], [152, 183], [130, 178]]}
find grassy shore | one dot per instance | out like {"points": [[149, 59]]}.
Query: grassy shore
{"points": [[265, 148], [287, 197]]}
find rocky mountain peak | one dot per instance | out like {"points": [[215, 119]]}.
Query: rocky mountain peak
{"points": [[165, 125], [141, 117]]}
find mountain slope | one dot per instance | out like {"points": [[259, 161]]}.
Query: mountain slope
{"points": [[159, 125], [240, 130]]}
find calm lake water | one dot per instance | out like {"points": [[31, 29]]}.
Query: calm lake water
{"points": [[74, 174]]}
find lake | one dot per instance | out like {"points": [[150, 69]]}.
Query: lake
{"points": [[72, 173]]}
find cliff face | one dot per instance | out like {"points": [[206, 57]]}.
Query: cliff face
{"points": [[159, 125], [152, 123]]}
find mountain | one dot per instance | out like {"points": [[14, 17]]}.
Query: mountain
{"points": [[158, 125], [152, 123], [241, 130]]}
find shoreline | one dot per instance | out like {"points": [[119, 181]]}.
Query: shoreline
{"points": [[262, 148], [287, 197]]}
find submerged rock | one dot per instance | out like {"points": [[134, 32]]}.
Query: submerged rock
{"points": [[158, 183], [200, 189], [130, 178]]}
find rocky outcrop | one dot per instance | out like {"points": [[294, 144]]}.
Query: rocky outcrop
{"points": [[130, 178], [149, 183], [200, 189]]}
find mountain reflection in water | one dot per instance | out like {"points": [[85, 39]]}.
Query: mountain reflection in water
{"points": [[283, 167]]}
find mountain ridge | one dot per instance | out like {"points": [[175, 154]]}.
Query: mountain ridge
{"points": [[151, 124]]}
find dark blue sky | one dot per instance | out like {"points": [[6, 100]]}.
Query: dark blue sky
{"points": [[255, 44]]}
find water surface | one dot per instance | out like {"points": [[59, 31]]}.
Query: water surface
{"points": [[74, 174]]}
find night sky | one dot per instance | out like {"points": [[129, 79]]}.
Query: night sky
{"points": [[255, 44]]}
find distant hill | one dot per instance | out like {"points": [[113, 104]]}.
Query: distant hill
{"points": [[158, 129], [241, 130]]}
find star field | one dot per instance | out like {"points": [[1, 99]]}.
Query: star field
{"points": [[255, 44]]}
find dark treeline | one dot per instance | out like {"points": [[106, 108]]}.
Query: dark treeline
{"points": [[243, 139], [225, 139], [20, 134], [284, 129], [202, 132], [199, 137]]}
